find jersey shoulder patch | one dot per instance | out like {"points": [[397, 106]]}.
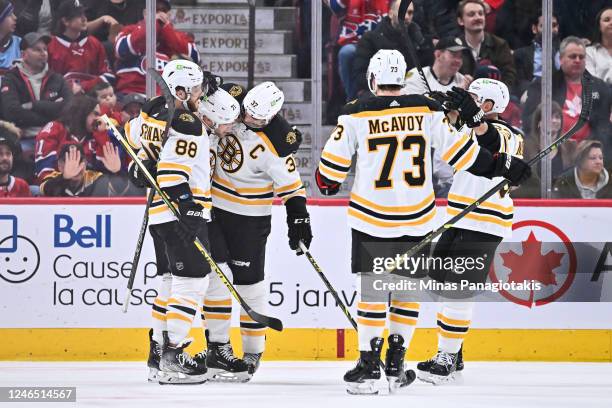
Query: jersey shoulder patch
{"points": [[381, 103], [500, 125], [156, 108], [187, 123], [281, 136]]}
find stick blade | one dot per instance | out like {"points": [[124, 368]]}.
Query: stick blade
{"points": [[268, 321]]}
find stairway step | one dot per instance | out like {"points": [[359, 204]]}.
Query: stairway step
{"points": [[266, 65], [295, 89], [237, 42], [232, 18]]}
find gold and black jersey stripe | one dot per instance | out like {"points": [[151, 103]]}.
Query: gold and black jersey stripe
{"points": [[486, 212], [250, 196], [392, 216]]}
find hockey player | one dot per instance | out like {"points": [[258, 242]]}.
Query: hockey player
{"points": [[251, 167], [392, 199], [479, 233], [145, 132]]}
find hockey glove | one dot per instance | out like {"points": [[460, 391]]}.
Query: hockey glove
{"points": [[515, 170], [326, 186], [136, 175], [191, 220], [211, 83], [462, 101], [298, 222], [441, 98]]}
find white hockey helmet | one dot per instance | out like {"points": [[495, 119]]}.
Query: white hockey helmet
{"points": [[264, 101], [182, 73], [387, 67], [221, 108], [490, 89]]}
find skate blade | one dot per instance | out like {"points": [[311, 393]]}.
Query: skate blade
{"points": [[166, 378], [442, 379], [219, 375], [395, 383], [424, 376], [364, 388], [155, 375]]}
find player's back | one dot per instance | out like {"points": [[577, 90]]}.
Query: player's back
{"points": [[392, 136]]}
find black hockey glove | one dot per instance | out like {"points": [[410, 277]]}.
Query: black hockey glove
{"points": [[326, 186], [515, 170], [137, 177], [211, 83], [191, 220], [460, 100], [298, 222]]}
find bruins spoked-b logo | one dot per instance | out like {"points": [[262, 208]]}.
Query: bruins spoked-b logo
{"points": [[229, 154]]}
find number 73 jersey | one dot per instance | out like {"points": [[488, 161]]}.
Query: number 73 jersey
{"points": [[392, 137]]}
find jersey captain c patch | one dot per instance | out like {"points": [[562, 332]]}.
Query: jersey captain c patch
{"points": [[230, 154]]}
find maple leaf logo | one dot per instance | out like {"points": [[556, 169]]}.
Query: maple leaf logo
{"points": [[532, 265]]}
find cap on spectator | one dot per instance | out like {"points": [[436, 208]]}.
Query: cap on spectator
{"points": [[6, 9], [237, 91], [487, 71], [450, 44], [30, 39], [133, 98], [70, 9]]}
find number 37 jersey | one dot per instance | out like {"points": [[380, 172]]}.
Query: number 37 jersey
{"points": [[392, 137]]}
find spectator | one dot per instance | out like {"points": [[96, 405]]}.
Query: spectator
{"points": [[589, 179], [360, 16], [577, 18], [130, 48], [387, 35], [104, 93], [74, 180], [72, 51], [528, 60], [513, 21], [562, 158], [132, 104], [567, 92], [444, 73], [10, 186], [79, 123], [599, 53], [35, 16], [32, 95], [107, 16], [9, 43], [484, 48]]}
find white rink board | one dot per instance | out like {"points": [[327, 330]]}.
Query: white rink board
{"points": [[59, 295]]}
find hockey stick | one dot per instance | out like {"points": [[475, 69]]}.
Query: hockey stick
{"points": [[268, 321], [401, 16], [331, 289], [585, 112], [145, 218]]}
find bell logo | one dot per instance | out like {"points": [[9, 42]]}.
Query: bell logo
{"points": [[65, 234]]}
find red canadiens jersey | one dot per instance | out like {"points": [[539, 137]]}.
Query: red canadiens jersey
{"points": [[16, 187], [360, 16], [50, 140], [86, 56], [130, 47]]}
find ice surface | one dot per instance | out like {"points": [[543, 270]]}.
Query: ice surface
{"points": [[319, 384]]}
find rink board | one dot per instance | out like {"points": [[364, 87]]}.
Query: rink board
{"points": [[75, 256]]}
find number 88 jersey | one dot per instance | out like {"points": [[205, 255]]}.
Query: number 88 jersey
{"points": [[392, 137]]}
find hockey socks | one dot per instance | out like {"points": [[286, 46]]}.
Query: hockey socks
{"points": [[159, 308]]}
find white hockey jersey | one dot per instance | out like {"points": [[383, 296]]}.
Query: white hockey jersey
{"points": [[183, 159], [392, 136], [493, 216], [249, 172]]}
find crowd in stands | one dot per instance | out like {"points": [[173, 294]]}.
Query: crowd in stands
{"points": [[64, 63], [459, 41]]}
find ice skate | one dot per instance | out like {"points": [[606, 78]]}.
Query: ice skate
{"points": [[361, 379], [223, 366], [397, 375], [178, 366]]}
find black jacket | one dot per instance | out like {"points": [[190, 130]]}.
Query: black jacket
{"points": [[16, 91], [565, 187], [523, 61], [497, 52], [600, 114], [384, 36]]}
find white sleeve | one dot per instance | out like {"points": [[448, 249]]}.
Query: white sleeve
{"points": [[179, 155], [457, 148], [338, 152], [285, 176]]}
